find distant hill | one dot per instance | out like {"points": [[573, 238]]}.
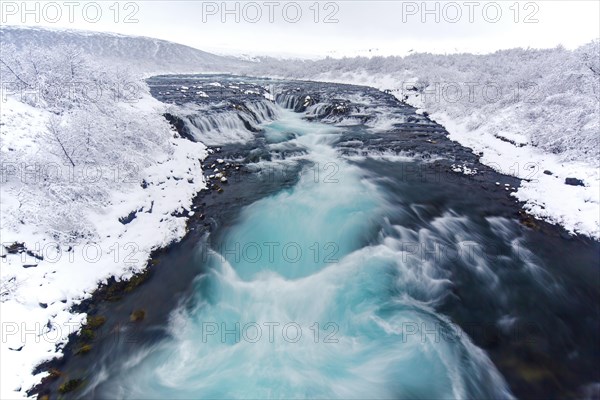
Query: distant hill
{"points": [[141, 54]]}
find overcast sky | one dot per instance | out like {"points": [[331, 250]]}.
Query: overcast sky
{"points": [[336, 28]]}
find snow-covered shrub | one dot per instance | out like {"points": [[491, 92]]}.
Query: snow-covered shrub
{"points": [[91, 137]]}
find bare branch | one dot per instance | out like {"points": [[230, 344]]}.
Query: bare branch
{"points": [[52, 126], [14, 73]]}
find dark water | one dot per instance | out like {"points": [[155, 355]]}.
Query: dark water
{"points": [[342, 221]]}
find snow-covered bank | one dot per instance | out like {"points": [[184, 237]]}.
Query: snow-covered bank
{"points": [[544, 174], [533, 114], [543, 187], [93, 180], [42, 280]]}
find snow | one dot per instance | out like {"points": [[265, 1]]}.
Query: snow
{"points": [[139, 55], [31, 333], [463, 169], [576, 208]]}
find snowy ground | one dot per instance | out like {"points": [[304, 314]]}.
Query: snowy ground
{"points": [[543, 189], [37, 294], [546, 196]]}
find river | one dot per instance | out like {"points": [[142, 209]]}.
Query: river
{"points": [[338, 254]]}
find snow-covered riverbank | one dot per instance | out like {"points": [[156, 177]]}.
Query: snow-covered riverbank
{"points": [[125, 212], [550, 182]]}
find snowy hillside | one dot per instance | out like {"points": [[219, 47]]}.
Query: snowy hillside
{"points": [[139, 54]]}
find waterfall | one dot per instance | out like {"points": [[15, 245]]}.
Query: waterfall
{"points": [[233, 121]]}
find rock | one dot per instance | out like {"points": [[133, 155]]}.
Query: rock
{"points": [[54, 373], [574, 182], [527, 220], [566, 235], [86, 348], [95, 322], [88, 334], [15, 248], [547, 172], [127, 219], [137, 316], [69, 386]]}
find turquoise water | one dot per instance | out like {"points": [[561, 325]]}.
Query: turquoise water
{"points": [[310, 293]]}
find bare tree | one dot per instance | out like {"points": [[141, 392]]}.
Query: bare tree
{"points": [[57, 136], [9, 62]]}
